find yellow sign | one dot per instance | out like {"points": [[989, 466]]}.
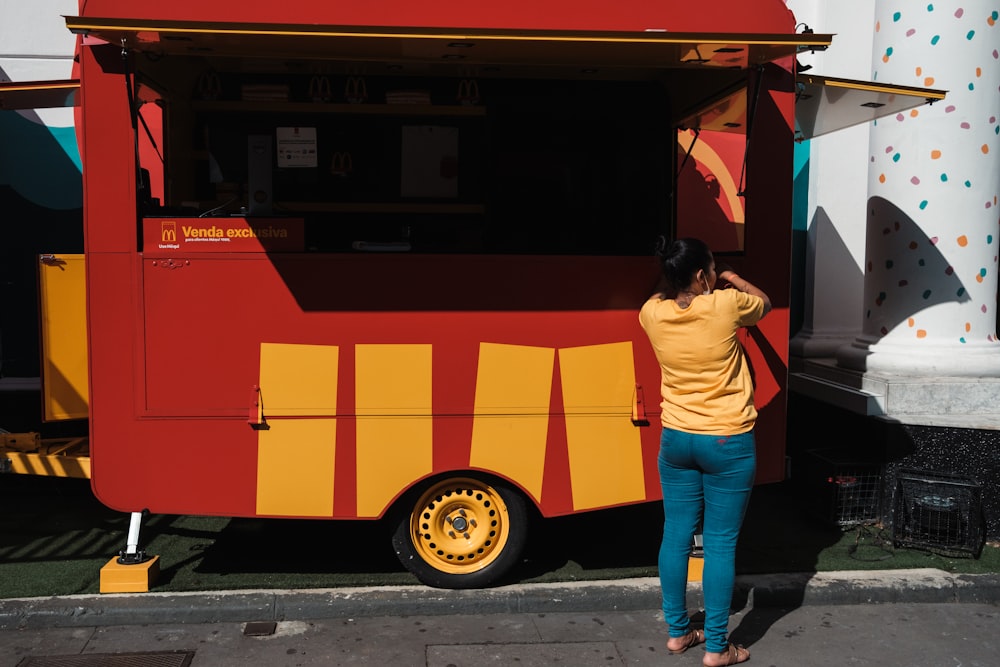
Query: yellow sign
{"points": [[168, 231]]}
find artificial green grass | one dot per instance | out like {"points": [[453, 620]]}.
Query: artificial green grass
{"points": [[55, 537]]}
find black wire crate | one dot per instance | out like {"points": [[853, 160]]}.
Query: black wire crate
{"points": [[841, 486], [938, 512]]}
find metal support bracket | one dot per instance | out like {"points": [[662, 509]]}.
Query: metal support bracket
{"points": [[132, 554]]}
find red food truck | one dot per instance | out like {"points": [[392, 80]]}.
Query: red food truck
{"points": [[384, 260], [395, 253]]}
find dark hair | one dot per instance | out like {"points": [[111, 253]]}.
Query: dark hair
{"points": [[682, 260]]}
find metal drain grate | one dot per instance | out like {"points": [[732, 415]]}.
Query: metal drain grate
{"points": [[157, 659]]}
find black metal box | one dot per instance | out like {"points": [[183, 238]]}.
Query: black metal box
{"points": [[938, 512], [840, 486]]}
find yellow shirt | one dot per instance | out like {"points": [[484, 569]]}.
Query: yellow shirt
{"points": [[705, 378]]}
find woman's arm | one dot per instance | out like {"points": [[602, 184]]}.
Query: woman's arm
{"points": [[745, 285]]}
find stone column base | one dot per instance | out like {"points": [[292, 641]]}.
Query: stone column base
{"points": [[926, 400], [871, 355]]}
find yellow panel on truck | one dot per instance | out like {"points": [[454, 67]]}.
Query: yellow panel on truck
{"points": [[63, 314], [63, 309]]}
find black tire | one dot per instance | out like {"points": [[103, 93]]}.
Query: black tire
{"points": [[461, 531]]}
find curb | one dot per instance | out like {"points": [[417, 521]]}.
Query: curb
{"points": [[772, 590], [867, 587]]}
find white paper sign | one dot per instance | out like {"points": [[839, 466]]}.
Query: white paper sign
{"points": [[297, 147]]}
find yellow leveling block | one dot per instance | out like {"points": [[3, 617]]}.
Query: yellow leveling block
{"points": [[695, 567], [132, 578]]}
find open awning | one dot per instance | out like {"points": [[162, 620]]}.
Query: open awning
{"points": [[702, 67], [646, 50], [38, 94], [825, 104], [822, 105]]}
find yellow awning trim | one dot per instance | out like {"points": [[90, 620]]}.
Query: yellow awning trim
{"points": [[38, 94], [652, 50]]}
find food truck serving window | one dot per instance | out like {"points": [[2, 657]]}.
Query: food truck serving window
{"points": [[423, 140]]}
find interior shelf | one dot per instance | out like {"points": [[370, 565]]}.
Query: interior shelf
{"points": [[376, 207], [278, 106]]}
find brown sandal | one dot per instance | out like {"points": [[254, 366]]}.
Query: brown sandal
{"points": [[692, 638], [732, 655]]}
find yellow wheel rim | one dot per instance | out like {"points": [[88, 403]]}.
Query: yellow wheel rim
{"points": [[459, 526]]}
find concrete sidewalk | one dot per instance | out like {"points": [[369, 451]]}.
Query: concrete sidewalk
{"points": [[752, 591], [916, 635], [823, 620]]}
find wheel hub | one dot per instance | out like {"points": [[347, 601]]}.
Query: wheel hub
{"points": [[460, 523]]}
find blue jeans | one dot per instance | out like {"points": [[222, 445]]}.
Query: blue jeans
{"points": [[707, 479]]}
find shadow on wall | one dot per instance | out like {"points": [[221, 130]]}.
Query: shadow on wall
{"points": [[909, 276], [700, 212], [822, 238]]}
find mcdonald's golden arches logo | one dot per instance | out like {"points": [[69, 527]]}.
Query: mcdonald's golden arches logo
{"points": [[319, 89], [209, 85], [342, 164], [355, 89], [168, 231], [468, 92]]}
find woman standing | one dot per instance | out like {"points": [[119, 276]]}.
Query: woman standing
{"points": [[707, 455]]}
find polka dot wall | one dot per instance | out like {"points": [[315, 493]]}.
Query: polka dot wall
{"points": [[933, 235]]}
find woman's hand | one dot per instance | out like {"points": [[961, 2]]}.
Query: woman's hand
{"points": [[744, 285]]}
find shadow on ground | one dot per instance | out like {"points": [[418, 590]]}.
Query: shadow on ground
{"points": [[55, 536]]}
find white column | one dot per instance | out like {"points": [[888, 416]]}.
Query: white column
{"points": [[837, 187], [930, 296]]}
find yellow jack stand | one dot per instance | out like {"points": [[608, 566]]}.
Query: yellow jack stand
{"points": [[695, 567], [131, 571], [132, 578]]}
